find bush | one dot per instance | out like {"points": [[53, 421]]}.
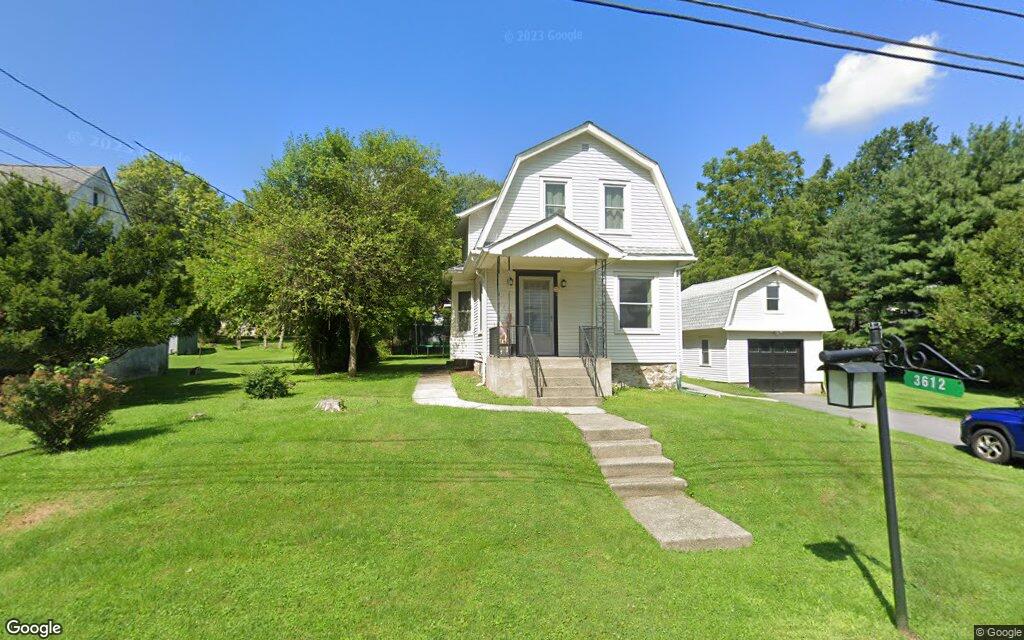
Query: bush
{"points": [[61, 406], [267, 382]]}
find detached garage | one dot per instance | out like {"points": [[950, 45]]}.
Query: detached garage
{"points": [[761, 329]]}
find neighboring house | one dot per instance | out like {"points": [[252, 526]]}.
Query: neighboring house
{"points": [[93, 186], [761, 329], [583, 246], [89, 185]]}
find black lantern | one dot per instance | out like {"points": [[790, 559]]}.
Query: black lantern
{"points": [[850, 384], [562, 283]]}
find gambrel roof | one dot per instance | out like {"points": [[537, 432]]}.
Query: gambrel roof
{"points": [[710, 305], [587, 128]]}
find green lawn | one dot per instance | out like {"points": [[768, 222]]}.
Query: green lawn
{"points": [[465, 383], [904, 398], [725, 387], [268, 519]]}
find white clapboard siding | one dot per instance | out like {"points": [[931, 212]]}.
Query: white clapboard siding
{"points": [[718, 367], [799, 309], [739, 370], [651, 229], [660, 343]]}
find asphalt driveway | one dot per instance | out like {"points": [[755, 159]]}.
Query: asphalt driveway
{"points": [[934, 428]]}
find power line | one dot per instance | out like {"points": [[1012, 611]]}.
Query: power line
{"points": [[982, 7], [41, 184], [107, 133], [850, 32], [793, 38]]}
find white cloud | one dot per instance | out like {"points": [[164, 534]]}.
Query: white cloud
{"points": [[864, 86]]}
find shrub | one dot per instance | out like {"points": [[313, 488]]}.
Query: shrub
{"points": [[61, 406], [267, 382]]}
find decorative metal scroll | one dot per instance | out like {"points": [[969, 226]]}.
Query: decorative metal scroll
{"points": [[924, 358]]}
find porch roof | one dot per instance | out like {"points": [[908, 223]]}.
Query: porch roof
{"points": [[554, 237]]}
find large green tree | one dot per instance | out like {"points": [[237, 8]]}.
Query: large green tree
{"points": [[71, 288], [753, 213], [355, 232]]}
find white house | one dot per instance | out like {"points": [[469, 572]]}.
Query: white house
{"points": [[762, 329], [578, 255], [89, 185]]}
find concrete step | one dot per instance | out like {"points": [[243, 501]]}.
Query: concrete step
{"points": [[568, 381], [573, 392], [567, 401], [679, 522], [563, 364], [625, 448], [635, 466], [603, 427], [639, 486]]}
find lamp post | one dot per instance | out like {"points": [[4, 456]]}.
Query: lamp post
{"points": [[847, 374], [856, 378]]}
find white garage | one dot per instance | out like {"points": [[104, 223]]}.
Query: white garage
{"points": [[762, 329]]}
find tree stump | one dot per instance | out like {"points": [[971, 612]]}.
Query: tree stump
{"points": [[331, 405]]}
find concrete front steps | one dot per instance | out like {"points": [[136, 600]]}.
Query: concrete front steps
{"points": [[566, 385], [635, 469]]}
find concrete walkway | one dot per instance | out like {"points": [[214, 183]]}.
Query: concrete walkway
{"points": [[696, 388], [631, 463], [931, 427]]}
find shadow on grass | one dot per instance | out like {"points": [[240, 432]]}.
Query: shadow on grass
{"points": [[177, 386], [128, 436], [940, 412], [842, 549], [1014, 462]]}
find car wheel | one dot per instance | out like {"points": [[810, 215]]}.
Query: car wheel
{"points": [[991, 446]]}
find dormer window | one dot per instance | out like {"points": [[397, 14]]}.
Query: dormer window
{"points": [[773, 297], [554, 199]]}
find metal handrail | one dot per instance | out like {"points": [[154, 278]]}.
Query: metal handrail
{"points": [[588, 354], [539, 381], [516, 341]]}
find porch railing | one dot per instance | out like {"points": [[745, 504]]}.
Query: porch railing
{"points": [[591, 348], [516, 341]]}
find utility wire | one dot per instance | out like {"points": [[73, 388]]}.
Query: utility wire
{"points": [[107, 133], [793, 38], [850, 32], [982, 7]]}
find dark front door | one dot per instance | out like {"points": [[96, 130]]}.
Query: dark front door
{"points": [[776, 365]]}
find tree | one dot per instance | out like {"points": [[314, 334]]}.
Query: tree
{"points": [[982, 319], [751, 215], [71, 289], [353, 232], [470, 189]]}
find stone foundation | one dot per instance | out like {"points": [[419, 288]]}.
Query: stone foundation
{"points": [[647, 376]]}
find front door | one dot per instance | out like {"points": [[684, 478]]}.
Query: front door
{"points": [[537, 311]]}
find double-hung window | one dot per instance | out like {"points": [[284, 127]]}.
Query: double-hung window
{"points": [[465, 309], [635, 303], [773, 297], [705, 352], [614, 207], [554, 199]]}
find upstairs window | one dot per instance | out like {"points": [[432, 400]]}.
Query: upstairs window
{"points": [[95, 198], [614, 207], [635, 303], [465, 309], [773, 297], [554, 199]]}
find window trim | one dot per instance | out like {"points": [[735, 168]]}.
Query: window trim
{"points": [[768, 299], [458, 312], [544, 182], [653, 278], [626, 207], [705, 352]]}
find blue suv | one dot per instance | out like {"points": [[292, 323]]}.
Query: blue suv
{"points": [[995, 435]]}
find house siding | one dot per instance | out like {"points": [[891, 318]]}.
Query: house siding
{"points": [[739, 370], [651, 226], [718, 368], [799, 309], [660, 343]]}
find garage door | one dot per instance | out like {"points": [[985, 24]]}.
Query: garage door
{"points": [[776, 365]]}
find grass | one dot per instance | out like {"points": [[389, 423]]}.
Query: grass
{"points": [[465, 383], [904, 398], [268, 519], [725, 387]]}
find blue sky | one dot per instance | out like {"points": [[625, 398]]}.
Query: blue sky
{"points": [[221, 85]]}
